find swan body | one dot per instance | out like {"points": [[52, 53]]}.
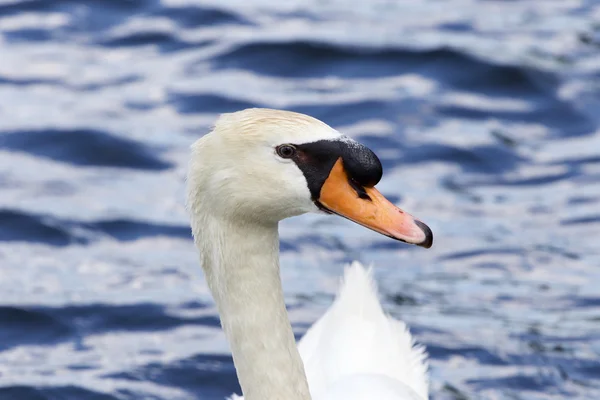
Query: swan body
{"points": [[255, 168]]}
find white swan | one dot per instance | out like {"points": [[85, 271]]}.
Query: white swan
{"points": [[255, 168]]}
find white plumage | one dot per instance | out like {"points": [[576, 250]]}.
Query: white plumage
{"points": [[355, 338]]}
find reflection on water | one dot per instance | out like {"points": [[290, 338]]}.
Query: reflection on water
{"points": [[484, 115]]}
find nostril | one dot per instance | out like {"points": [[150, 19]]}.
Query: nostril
{"points": [[360, 191]]}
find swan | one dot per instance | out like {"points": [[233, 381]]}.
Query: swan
{"points": [[255, 168]]}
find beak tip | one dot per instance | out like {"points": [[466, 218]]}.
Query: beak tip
{"points": [[428, 242]]}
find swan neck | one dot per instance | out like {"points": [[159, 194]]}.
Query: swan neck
{"points": [[241, 262]]}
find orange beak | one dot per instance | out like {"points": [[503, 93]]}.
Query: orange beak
{"points": [[369, 208]]}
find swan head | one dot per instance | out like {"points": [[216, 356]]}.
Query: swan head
{"points": [[261, 166]]}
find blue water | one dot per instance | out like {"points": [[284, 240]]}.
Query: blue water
{"points": [[484, 114]]}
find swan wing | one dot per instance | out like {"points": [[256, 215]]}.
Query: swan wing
{"points": [[355, 345]]}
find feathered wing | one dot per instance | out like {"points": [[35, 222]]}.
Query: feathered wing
{"points": [[356, 351], [355, 337]]}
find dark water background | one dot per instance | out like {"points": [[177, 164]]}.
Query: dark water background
{"points": [[486, 115]]}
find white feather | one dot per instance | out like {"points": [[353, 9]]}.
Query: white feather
{"points": [[356, 338]]}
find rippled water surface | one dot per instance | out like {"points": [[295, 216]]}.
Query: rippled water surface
{"points": [[484, 114]]}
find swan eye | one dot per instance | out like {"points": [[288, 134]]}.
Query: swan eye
{"points": [[286, 151]]}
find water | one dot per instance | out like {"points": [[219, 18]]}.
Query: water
{"points": [[484, 114]]}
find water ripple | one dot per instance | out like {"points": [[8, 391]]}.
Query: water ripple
{"points": [[83, 147]]}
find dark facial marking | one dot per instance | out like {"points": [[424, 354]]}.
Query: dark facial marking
{"points": [[316, 159]]}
